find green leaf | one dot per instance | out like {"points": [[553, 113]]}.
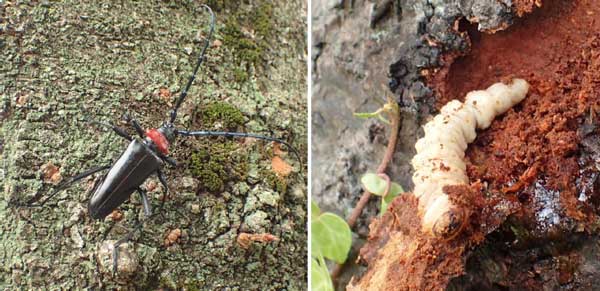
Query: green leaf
{"points": [[314, 243], [332, 235], [320, 279], [395, 190], [366, 114], [315, 211], [373, 183], [376, 185]]}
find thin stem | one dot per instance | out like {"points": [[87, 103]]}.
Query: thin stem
{"points": [[388, 184], [389, 152], [364, 199]]}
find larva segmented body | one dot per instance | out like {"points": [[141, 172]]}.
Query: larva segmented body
{"points": [[440, 153]]}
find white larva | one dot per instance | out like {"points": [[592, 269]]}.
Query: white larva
{"points": [[440, 153]]}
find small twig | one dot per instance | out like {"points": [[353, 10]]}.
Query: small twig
{"points": [[364, 199], [362, 202], [387, 158]]}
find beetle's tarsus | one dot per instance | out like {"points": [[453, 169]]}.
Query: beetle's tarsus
{"points": [[115, 258], [116, 251]]}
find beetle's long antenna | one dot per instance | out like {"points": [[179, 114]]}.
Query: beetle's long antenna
{"points": [[200, 60], [240, 134], [64, 185]]}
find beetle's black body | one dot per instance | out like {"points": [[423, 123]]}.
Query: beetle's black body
{"points": [[134, 166], [142, 158]]}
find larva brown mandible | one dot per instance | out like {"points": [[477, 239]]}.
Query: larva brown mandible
{"points": [[440, 153]]}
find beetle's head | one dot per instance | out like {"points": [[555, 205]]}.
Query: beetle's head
{"points": [[168, 131]]}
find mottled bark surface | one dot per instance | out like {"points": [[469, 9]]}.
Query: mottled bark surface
{"points": [[65, 63]]}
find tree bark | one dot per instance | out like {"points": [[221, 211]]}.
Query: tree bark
{"points": [[67, 63]]}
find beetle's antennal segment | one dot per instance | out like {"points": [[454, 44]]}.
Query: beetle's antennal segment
{"points": [[241, 134], [200, 60]]}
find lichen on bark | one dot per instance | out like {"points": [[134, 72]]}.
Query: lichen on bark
{"points": [[67, 63]]}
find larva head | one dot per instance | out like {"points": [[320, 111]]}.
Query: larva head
{"points": [[442, 218], [449, 224]]}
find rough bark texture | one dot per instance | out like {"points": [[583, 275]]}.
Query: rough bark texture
{"points": [[65, 63]]}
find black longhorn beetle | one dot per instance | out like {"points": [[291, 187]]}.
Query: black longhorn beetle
{"points": [[143, 157]]}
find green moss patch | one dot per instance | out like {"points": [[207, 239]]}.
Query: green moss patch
{"points": [[275, 182], [248, 35], [224, 113], [217, 163]]}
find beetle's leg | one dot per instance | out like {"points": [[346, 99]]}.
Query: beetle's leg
{"points": [[138, 128], [147, 212], [145, 202], [63, 186], [163, 180], [121, 132], [240, 134], [138, 226], [167, 159], [120, 242], [135, 125]]}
